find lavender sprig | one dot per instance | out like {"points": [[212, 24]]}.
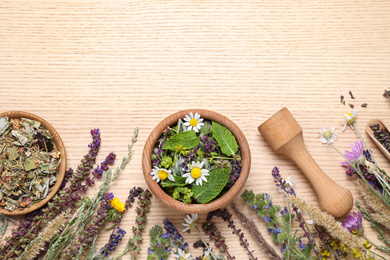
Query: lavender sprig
{"points": [[29, 227], [254, 231], [159, 244], [86, 210], [176, 239], [227, 217], [215, 235], [142, 209]]}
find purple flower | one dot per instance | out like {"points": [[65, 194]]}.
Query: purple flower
{"points": [[355, 155], [353, 223]]}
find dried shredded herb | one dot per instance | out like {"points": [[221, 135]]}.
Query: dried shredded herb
{"points": [[29, 162]]}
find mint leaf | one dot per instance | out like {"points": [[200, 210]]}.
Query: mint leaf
{"points": [[179, 182], [184, 140], [214, 185], [225, 139]]}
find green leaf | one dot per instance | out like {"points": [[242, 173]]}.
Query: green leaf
{"points": [[179, 182], [214, 185], [13, 153], [29, 164], [225, 139], [180, 141]]}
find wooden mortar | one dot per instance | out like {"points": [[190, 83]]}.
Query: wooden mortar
{"points": [[283, 133]]}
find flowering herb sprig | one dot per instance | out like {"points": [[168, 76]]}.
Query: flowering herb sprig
{"points": [[195, 160], [219, 240], [191, 222], [175, 238], [87, 209], [67, 197], [132, 245], [374, 183], [280, 226], [227, 217], [159, 244]]}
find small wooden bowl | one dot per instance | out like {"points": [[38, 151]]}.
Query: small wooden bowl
{"points": [[196, 208], [61, 173]]}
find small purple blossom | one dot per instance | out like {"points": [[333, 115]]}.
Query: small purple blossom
{"points": [[355, 155], [353, 223]]}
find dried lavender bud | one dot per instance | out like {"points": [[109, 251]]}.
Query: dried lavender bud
{"points": [[341, 99], [382, 135], [387, 94], [364, 105], [350, 93], [351, 105]]}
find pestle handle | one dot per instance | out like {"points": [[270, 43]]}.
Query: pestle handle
{"points": [[283, 133], [332, 197]]}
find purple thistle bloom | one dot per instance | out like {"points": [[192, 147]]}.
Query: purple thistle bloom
{"points": [[355, 155], [353, 223]]}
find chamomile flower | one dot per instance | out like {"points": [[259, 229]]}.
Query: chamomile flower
{"points": [[196, 173], [349, 118], [161, 174], [206, 255], [193, 122], [328, 135], [182, 255], [191, 221], [289, 182]]}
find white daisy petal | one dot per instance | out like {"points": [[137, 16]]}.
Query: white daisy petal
{"points": [[196, 172]]}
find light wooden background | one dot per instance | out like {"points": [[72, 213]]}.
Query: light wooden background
{"points": [[117, 65]]}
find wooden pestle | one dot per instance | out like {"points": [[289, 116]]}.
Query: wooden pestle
{"points": [[283, 133]]}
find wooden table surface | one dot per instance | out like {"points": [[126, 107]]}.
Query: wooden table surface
{"points": [[117, 65]]}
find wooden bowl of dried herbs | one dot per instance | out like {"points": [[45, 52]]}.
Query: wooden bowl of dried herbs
{"points": [[196, 161], [32, 162]]}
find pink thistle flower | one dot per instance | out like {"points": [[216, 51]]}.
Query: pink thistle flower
{"points": [[353, 223], [355, 155]]}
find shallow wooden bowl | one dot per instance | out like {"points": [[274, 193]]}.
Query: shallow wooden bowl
{"points": [[61, 173], [196, 208]]}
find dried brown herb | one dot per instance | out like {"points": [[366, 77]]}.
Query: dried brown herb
{"points": [[29, 162]]}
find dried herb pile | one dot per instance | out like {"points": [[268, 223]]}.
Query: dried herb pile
{"points": [[29, 162]]}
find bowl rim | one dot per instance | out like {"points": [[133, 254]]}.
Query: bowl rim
{"points": [[61, 172], [196, 208]]}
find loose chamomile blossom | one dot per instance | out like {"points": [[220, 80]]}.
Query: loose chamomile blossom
{"points": [[182, 255], [349, 118], [196, 173], [161, 174], [328, 135], [116, 204], [206, 255], [191, 221], [193, 122]]}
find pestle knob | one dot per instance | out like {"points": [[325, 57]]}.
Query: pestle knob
{"points": [[283, 133]]}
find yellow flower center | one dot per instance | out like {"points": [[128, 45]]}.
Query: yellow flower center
{"points": [[352, 120], [193, 122], [328, 135], [196, 172], [162, 174]]}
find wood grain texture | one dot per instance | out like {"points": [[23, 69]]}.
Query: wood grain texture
{"points": [[116, 65]]}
